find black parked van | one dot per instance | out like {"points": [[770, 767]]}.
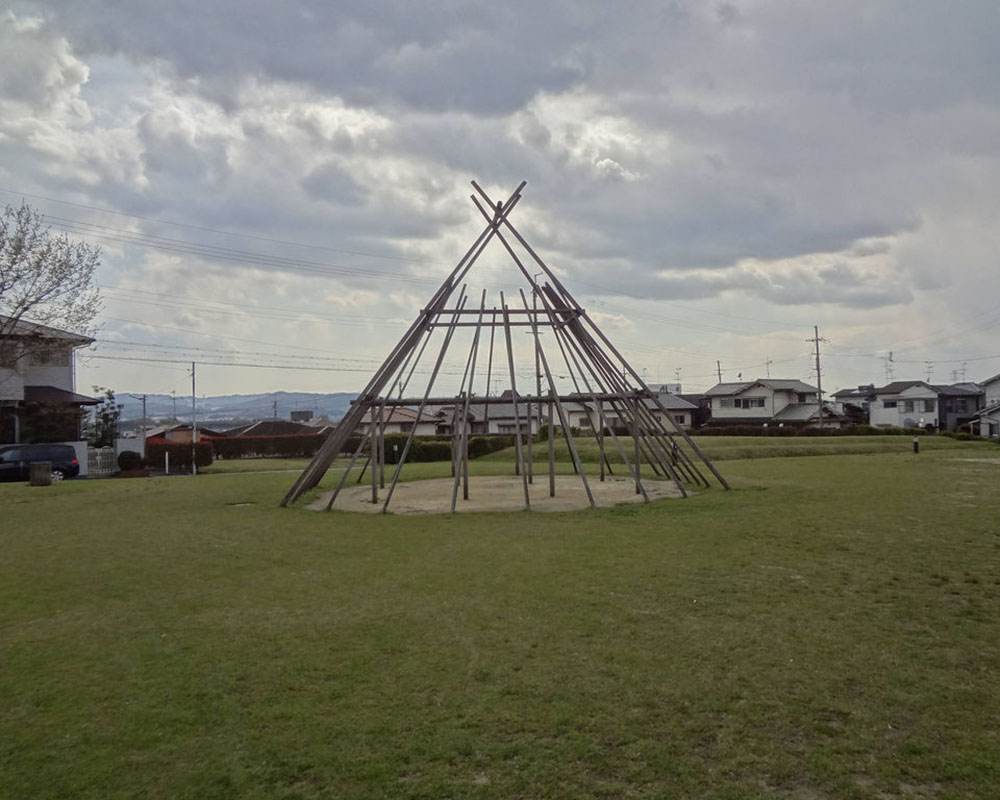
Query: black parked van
{"points": [[16, 458]]}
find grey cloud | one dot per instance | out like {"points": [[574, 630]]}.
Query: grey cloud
{"points": [[790, 129], [329, 182]]}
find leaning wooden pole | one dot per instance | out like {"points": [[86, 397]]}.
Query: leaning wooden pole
{"points": [[312, 474], [423, 402], [563, 419], [347, 470], [558, 284], [519, 452], [462, 450]]}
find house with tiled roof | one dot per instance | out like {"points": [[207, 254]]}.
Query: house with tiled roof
{"points": [[768, 401], [38, 398], [918, 404]]}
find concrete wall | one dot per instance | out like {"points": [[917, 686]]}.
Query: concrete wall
{"points": [[11, 385], [59, 376]]}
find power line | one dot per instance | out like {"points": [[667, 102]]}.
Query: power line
{"points": [[216, 230]]}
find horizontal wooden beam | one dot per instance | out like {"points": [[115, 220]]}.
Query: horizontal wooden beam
{"points": [[521, 399]]}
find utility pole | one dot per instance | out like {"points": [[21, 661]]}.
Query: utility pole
{"points": [[718, 368], [677, 375], [887, 361], [819, 375], [274, 407], [194, 427], [143, 398], [930, 369], [173, 392], [767, 365]]}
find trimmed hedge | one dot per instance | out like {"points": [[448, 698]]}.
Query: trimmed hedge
{"points": [[180, 454], [484, 445], [423, 448], [289, 446], [789, 430]]}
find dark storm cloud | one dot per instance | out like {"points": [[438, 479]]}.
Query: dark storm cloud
{"points": [[479, 57]]}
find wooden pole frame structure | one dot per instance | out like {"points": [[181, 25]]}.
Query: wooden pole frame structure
{"points": [[602, 382]]}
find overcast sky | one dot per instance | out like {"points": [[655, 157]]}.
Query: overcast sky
{"points": [[285, 183]]}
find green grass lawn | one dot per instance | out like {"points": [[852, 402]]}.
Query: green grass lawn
{"points": [[254, 465], [828, 629], [718, 448], [727, 448]]}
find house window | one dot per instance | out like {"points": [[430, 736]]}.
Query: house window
{"points": [[803, 397], [748, 402], [507, 428], [928, 406], [888, 404], [681, 419], [405, 427], [907, 406], [961, 405], [726, 402], [49, 357]]}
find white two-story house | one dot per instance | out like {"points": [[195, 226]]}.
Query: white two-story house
{"points": [[770, 401], [987, 422], [38, 399], [918, 404]]}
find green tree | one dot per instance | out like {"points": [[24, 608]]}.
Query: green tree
{"points": [[103, 428]]}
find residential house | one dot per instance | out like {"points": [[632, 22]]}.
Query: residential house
{"points": [[270, 427], [768, 401], [38, 399], [180, 433], [398, 419], [918, 404], [987, 421], [584, 413], [855, 403], [495, 417]]}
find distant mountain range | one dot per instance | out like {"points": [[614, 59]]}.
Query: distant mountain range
{"points": [[237, 406]]}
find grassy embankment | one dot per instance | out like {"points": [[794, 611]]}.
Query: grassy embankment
{"points": [[718, 448], [830, 628]]}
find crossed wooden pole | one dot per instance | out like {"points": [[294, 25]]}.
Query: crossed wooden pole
{"points": [[603, 382]]}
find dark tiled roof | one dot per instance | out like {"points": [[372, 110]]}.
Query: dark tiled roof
{"points": [[50, 395], [954, 390], [23, 328], [271, 427], [727, 389]]}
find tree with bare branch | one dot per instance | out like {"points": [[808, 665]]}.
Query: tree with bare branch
{"points": [[46, 279]]}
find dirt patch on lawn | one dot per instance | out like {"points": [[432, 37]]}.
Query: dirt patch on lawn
{"points": [[495, 493]]}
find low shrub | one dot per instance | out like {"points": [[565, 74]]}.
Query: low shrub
{"points": [[130, 460]]}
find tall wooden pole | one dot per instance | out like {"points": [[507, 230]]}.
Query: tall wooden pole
{"points": [[513, 390]]}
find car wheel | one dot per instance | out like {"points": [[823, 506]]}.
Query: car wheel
{"points": [[58, 475]]}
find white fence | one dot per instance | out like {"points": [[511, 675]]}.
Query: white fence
{"points": [[102, 462]]}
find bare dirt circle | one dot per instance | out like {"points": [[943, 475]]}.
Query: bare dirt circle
{"points": [[495, 493]]}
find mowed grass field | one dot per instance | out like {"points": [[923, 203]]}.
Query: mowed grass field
{"points": [[828, 629]]}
